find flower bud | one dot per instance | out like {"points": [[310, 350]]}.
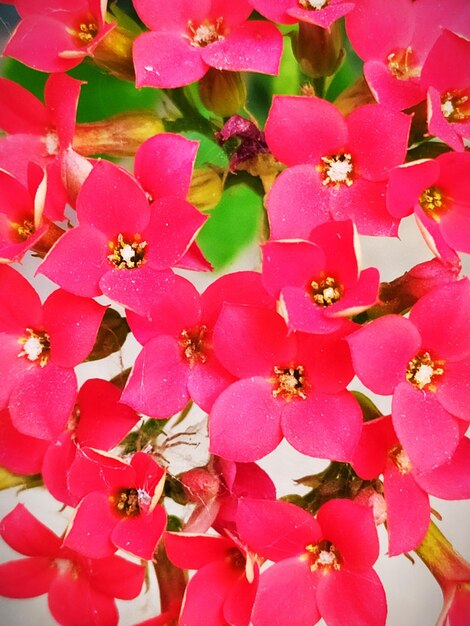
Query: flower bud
{"points": [[118, 136], [223, 93], [206, 189], [318, 51], [200, 484], [114, 52], [354, 96]]}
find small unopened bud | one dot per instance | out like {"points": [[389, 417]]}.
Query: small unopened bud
{"points": [[223, 93], [371, 498], [319, 51], [206, 189], [200, 484], [120, 135], [114, 53], [354, 96]]}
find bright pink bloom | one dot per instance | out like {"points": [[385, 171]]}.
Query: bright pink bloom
{"points": [[323, 566], [406, 489], [177, 338], [39, 132], [224, 586], [318, 282], [319, 12], [123, 246], [188, 38], [338, 166], [447, 77], [40, 346], [80, 590], [119, 505], [424, 361], [394, 39], [56, 35], [438, 192], [290, 385]]}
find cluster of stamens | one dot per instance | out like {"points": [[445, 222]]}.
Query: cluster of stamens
{"points": [[336, 169], [455, 106], [400, 459], [323, 556], [290, 382], [86, 32], [401, 64], [206, 33], [126, 502], [192, 344], [23, 230], [432, 201], [422, 371], [36, 346], [313, 5], [127, 254], [325, 292]]}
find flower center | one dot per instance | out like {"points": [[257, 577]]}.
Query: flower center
{"points": [[23, 230], [193, 344], [326, 291], [432, 201], [86, 32], [36, 346], [400, 459], [127, 254], [289, 382], [313, 5], [126, 502], [236, 559], [422, 371], [323, 556], [403, 65], [206, 33], [455, 106], [336, 169]]}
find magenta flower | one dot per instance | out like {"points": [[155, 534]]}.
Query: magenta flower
{"points": [[80, 590], [405, 488], [445, 75], [424, 362], [188, 38], [119, 505], [56, 35], [322, 567], [41, 345], [223, 588], [39, 132], [319, 12], [123, 246], [318, 282], [289, 385], [177, 338], [338, 166], [438, 192]]}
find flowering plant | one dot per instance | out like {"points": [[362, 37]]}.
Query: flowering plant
{"points": [[209, 407]]}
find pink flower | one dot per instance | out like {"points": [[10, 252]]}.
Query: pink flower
{"points": [[80, 590], [289, 385], [177, 339], [438, 192], [424, 362], [122, 246], [318, 282], [406, 489], [119, 505], [445, 75], [56, 35], [323, 566], [224, 586], [338, 166], [41, 345], [319, 12], [187, 38]]}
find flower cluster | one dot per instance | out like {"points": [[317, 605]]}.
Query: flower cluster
{"points": [[266, 354]]}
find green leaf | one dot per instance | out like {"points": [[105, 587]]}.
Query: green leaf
{"points": [[232, 225], [209, 150]]}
